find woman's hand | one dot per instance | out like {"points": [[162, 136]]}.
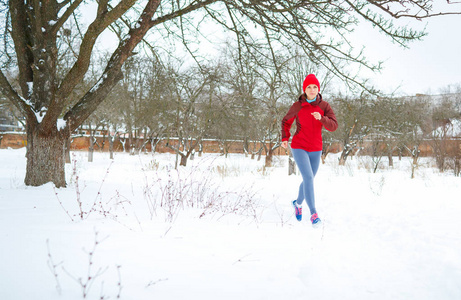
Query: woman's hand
{"points": [[284, 144], [317, 115]]}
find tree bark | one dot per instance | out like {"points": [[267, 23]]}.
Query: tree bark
{"points": [[291, 163], [391, 159], [45, 157], [111, 146], [67, 144], [268, 161], [91, 149], [183, 160], [343, 157], [291, 166]]}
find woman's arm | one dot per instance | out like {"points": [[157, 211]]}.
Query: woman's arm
{"points": [[329, 118], [288, 120]]}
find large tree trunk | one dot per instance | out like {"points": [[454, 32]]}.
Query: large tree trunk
{"points": [[45, 157]]}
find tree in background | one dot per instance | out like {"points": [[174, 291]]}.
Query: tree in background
{"points": [[416, 127], [190, 90], [272, 94], [387, 124], [446, 131], [43, 94], [354, 114], [242, 105]]}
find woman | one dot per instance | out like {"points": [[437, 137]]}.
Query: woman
{"points": [[311, 114]]}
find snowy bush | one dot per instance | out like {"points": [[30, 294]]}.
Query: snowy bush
{"points": [[173, 190]]}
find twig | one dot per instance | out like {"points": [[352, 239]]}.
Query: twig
{"points": [[100, 187], [60, 203], [85, 284], [151, 283], [241, 259], [119, 283], [52, 266]]}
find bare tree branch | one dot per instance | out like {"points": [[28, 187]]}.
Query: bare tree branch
{"points": [[7, 90], [70, 10], [101, 22]]}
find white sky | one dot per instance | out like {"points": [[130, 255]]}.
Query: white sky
{"points": [[427, 66]]}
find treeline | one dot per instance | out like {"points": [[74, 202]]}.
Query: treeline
{"points": [[395, 126], [243, 96], [238, 96]]}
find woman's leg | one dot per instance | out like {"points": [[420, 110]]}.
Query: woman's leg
{"points": [[308, 164], [314, 158]]}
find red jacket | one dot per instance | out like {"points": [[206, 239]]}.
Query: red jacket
{"points": [[308, 134]]}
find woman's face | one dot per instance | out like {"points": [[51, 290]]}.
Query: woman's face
{"points": [[311, 91]]}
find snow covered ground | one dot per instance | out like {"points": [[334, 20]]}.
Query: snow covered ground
{"points": [[224, 229]]}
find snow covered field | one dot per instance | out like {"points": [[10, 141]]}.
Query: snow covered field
{"points": [[224, 229]]}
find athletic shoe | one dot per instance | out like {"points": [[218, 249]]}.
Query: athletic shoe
{"points": [[315, 220], [298, 211]]}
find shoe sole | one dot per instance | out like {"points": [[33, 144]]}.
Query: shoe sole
{"points": [[317, 225]]}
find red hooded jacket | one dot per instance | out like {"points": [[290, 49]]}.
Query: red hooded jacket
{"points": [[308, 134]]}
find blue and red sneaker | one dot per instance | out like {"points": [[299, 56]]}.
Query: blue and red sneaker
{"points": [[298, 211], [315, 220]]}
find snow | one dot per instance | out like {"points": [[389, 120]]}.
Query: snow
{"points": [[61, 124], [40, 115], [385, 236]]}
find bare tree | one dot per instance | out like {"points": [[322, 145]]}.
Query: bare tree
{"points": [[94, 124], [32, 35], [354, 115], [242, 105], [387, 126], [188, 93], [113, 117], [417, 126], [445, 117], [272, 106]]}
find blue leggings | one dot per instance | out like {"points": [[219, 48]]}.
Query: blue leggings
{"points": [[308, 164]]}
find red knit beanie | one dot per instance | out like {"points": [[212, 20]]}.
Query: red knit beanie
{"points": [[310, 79]]}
